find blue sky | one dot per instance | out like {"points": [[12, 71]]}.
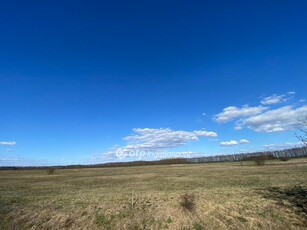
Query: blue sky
{"points": [[92, 81]]}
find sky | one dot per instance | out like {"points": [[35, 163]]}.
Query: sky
{"points": [[86, 82]]}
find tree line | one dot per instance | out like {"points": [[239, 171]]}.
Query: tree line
{"points": [[264, 155]]}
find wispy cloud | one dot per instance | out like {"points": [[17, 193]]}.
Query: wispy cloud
{"points": [[276, 99], [13, 161], [7, 143], [232, 112], [286, 145]]}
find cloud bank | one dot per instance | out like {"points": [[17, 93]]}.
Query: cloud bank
{"points": [[263, 118], [277, 120]]}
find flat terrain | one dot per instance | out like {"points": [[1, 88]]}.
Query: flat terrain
{"points": [[227, 196]]}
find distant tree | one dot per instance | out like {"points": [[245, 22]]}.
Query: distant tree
{"points": [[284, 159], [173, 161], [260, 160], [50, 171]]}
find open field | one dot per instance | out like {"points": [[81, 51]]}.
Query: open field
{"points": [[227, 196]]}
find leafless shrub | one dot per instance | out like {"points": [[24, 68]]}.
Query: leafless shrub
{"points": [[259, 160], [284, 159], [188, 202], [50, 171]]}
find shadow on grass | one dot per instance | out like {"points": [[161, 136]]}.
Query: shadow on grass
{"points": [[295, 197]]}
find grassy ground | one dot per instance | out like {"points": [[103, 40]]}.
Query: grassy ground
{"points": [[227, 196]]}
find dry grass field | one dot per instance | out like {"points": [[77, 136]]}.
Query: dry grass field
{"points": [[226, 196]]}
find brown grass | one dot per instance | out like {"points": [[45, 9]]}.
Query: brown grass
{"points": [[227, 196]]}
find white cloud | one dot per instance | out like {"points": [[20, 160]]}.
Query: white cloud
{"points": [[265, 119], [229, 143], [158, 138], [146, 139], [286, 145], [233, 143], [7, 143], [244, 141], [203, 133], [232, 112], [277, 120], [238, 127], [276, 99]]}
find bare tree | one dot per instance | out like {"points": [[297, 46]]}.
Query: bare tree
{"points": [[303, 136], [303, 132]]}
